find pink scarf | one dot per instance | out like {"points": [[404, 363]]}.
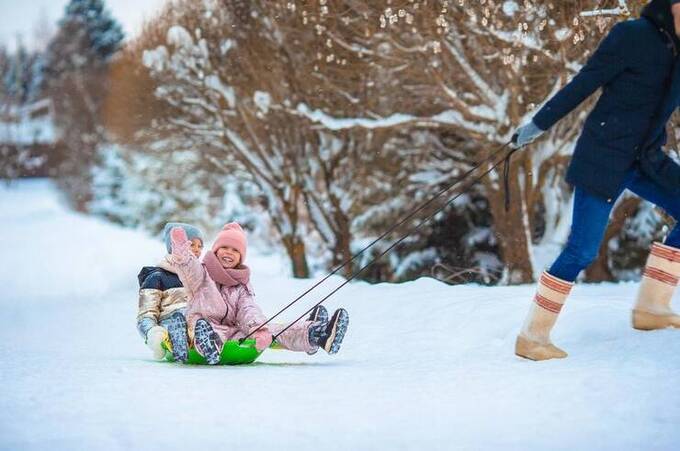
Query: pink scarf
{"points": [[223, 276]]}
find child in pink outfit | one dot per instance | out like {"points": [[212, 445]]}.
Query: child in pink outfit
{"points": [[222, 306]]}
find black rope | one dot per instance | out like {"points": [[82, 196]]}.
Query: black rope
{"points": [[491, 157], [424, 221]]}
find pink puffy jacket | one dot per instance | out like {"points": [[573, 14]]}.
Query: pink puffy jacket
{"points": [[231, 311]]}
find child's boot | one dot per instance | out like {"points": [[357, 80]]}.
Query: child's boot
{"points": [[533, 342], [318, 314], [207, 342], [329, 335], [177, 329], [653, 306]]}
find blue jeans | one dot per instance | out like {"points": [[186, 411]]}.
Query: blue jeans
{"points": [[591, 216]]}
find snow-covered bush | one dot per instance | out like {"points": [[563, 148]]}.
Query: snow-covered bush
{"points": [[336, 120]]}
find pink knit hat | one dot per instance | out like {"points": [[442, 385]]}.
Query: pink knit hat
{"points": [[232, 235]]}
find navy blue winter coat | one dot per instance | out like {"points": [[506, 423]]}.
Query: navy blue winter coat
{"points": [[632, 66], [153, 277]]}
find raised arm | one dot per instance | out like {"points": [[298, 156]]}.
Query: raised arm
{"points": [[189, 269]]}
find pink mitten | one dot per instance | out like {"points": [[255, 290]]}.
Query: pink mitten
{"points": [[180, 244], [178, 236], [263, 338]]}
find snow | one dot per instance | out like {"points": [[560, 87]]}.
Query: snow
{"points": [[226, 45], [333, 123], [562, 34], [27, 125], [263, 101], [621, 10], [155, 59], [424, 365], [227, 92], [395, 119], [27, 131], [179, 37], [510, 8]]}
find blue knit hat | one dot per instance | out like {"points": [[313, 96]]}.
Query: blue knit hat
{"points": [[192, 232]]}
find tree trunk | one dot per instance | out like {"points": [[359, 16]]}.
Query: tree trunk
{"points": [[342, 251], [295, 248], [510, 227]]}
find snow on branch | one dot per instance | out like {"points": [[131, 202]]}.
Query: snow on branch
{"points": [[449, 117], [621, 10]]}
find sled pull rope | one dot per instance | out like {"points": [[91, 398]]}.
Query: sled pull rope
{"points": [[492, 157], [423, 222]]}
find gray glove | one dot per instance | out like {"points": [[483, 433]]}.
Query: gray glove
{"points": [[526, 134]]}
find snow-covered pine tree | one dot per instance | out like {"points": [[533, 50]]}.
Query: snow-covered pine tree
{"points": [[20, 74], [76, 65], [35, 88], [87, 36]]}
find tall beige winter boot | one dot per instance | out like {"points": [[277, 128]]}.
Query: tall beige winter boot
{"points": [[533, 341], [653, 306]]}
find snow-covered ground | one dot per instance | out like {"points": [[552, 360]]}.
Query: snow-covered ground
{"points": [[424, 366]]}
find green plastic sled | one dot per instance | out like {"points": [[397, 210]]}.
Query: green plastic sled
{"points": [[233, 353]]}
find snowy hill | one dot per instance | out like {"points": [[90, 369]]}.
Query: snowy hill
{"points": [[424, 366]]}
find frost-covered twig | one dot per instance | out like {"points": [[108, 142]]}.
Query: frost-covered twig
{"points": [[621, 10]]}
